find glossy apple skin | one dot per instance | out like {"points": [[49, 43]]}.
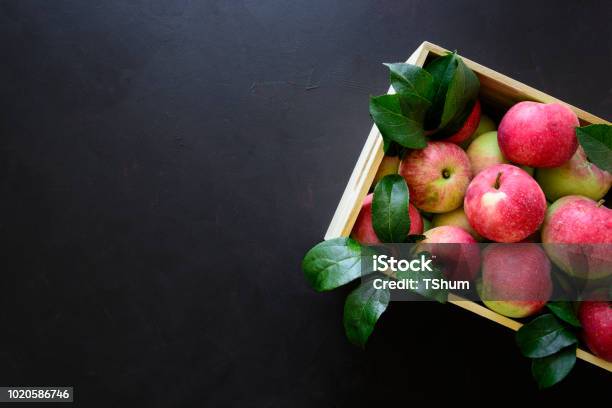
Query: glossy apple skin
{"points": [[538, 135], [437, 176], [363, 231], [509, 213], [578, 176], [485, 125], [516, 279], [596, 320], [469, 126], [577, 233], [388, 165], [456, 218], [484, 152], [455, 249]]}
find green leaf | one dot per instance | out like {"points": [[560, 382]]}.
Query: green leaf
{"points": [[393, 125], [414, 86], [454, 125], [543, 336], [442, 70], [455, 90], [564, 311], [462, 92], [596, 140], [549, 370], [408, 79], [387, 145], [362, 309], [400, 116], [390, 217], [332, 263]]}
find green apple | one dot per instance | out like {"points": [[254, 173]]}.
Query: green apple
{"points": [[456, 218], [389, 165], [577, 176], [486, 125], [484, 152]]}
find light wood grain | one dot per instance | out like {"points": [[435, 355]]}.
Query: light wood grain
{"points": [[496, 90], [501, 90]]}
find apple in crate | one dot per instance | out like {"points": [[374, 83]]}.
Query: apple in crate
{"points": [[485, 125], [505, 204], [456, 218], [516, 279], [596, 320], [469, 126], [538, 134], [437, 176], [484, 152], [577, 176], [389, 165], [363, 231], [455, 249], [577, 233]]}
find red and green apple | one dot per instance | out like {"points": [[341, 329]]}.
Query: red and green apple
{"points": [[437, 176]]}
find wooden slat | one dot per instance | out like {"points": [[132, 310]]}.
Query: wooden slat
{"points": [[502, 90], [363, 173], [496, 89], [514, 325]]}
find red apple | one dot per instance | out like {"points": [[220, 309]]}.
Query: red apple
{"points": [[577, 233], [515, 279], [538, 134], [596, 321], [437, 176], [505, 204], [455, 249], [363, 231], [469, 126]]}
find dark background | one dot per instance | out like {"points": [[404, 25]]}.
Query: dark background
{"points": [[164, 166]]}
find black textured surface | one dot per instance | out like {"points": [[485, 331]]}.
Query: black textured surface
{"points": [[165, 165]]}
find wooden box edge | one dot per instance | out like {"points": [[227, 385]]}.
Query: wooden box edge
{"points": [[371, 156]]}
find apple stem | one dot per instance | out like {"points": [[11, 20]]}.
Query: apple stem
{"points": [[600, 202], [496, 186]]}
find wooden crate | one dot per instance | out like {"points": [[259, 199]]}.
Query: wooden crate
{"points": [[497, 92]]}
